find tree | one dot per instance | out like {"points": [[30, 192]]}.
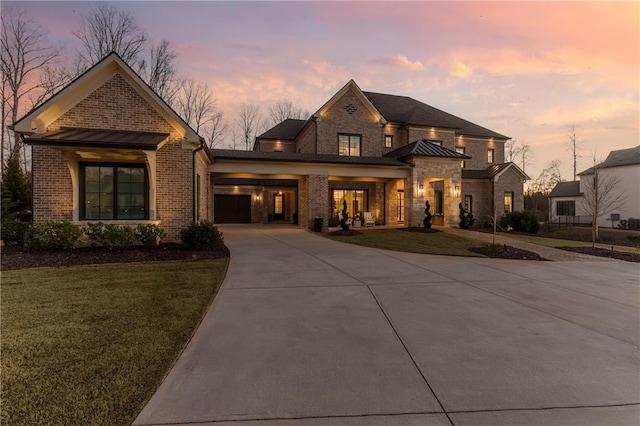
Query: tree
{"points": [[217, 130], [106, 30], [602, 194], [160, 74], [248, 123], [574, 148], [24, 53], [525, 154], [16, 189], [511, 150], [195, 103], [283, 109], [537, 195]]}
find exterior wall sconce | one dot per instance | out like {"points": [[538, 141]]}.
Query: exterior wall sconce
{"points": [[420, 190], [456, 190]]}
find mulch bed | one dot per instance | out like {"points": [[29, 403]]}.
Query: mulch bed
{"points": [[506, 252], [420, 229], [15, 258], [620, 255], [341, 233]]}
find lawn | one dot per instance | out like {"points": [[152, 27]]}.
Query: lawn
{"points": [[414, 242], [607, 236], [557, 242], [90, 344]]}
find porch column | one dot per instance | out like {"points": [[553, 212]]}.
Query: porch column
{"points": [[313, 193]]}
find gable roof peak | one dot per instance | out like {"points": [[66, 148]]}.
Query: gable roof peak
{"points": [[351, 85]]}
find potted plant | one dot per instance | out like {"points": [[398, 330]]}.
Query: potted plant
{"points": [[357, 222]]}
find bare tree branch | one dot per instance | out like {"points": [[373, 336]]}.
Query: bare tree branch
{"points": [[24, 52], [511, 150], [573, 146], [284, 109], [161, 72], [248, 123], [603, 194], [107, 30]]}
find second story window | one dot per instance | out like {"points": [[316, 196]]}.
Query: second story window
{"points": [[388, 141], [439, 143], [490, 153], [349, 145]]}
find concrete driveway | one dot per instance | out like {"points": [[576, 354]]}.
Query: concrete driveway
{"points": [[308, 331]]}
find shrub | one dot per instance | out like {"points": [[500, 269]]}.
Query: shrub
{"points": [[203, 235], [52, 236], [14, 231], [521, 222], [110, 235], [149, 234]]}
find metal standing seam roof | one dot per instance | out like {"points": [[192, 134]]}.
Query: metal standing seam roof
{"points": [[425, 148], [566, 189], [231, 154], [98, 138]]}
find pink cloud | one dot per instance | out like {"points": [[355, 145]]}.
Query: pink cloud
{"points": [[398, 61]]}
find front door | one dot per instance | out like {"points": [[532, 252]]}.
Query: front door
{"points": [[278, 207]]}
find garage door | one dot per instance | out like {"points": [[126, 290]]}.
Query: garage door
{"points": [[232, 208]]}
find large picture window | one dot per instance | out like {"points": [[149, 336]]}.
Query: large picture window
{"points": [[566, 208], [114, 192], [357, 201], [349, 145]]}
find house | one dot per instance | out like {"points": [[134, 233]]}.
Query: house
{"points": [[380, 153], [107, 148], [620, 171]]}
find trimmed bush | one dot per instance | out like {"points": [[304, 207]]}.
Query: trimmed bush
{"points": [[14, 231], [149, 234], [52, 236], [203, 235], [110, 235], [521, 222]]}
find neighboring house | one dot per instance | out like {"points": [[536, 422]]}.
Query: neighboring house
{"points": [[380, 153], [107, 148], [567, 200]]}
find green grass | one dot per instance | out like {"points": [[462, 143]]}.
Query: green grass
{"points": [[90, 344], [581, 233], [557, 242], [414, 242]]}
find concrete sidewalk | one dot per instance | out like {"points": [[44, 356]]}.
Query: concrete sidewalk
{"points": [[548, 253], [309, 331]]}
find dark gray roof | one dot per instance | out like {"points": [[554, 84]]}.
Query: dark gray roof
{"points": [[424, 148], [621, 157], [566, 189], [491, 171], [287, 130], [406, 110], [98, 138], [231, 154]]}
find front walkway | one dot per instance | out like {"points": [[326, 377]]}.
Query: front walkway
{"points": [[548, 253], [310, 331]]}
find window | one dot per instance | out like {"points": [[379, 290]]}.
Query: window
{"points": [[114, 191], [460, 150], [439, 143], [508, 202], [468, 203], [357, 201], [490, 153], [565, 208], [388, 141], [439, 202], [349, 145]]}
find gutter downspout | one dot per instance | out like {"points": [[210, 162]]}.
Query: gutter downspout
{"points": [[193, 184]]}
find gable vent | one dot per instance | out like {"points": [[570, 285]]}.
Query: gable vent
{"points": [[350, 109]]}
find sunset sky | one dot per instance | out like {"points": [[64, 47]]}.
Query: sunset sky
{"points": [[527, 70]]}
